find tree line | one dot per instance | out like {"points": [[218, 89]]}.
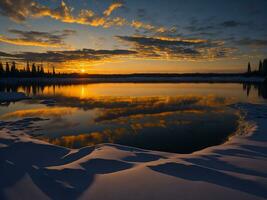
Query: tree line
{"points": [[10, 70], [262, 69]]}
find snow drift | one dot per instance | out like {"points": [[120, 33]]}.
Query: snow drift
{"points": [[33, 169]]}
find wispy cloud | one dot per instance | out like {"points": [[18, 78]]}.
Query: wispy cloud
{"points": [[37, 38], [111, 8], [72, 55], [252, 42], [20, 10], [231, 23], [177, 48]]}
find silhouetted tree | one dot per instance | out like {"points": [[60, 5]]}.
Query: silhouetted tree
{"points": [[2, 71], [33, 69], [54, 71], [249, 68], [7, 68], [28, 67], [13, 68], [264, 67], [42, 70], [260, 67]]}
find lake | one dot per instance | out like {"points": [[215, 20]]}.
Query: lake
{"points": [[180, 117]]}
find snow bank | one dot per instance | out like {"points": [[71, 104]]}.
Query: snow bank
{"points": [[33, 169], [12, 96]]}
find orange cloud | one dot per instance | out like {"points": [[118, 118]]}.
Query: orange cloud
{"points": [[23, 42], [20, 10], [111, 8], [38, 38]]}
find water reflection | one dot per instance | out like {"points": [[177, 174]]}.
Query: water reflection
{"points": [[170, 117], [92, 90], [261, 88]]}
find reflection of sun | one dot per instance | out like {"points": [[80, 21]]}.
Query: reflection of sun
{"points": [[82, 92]]}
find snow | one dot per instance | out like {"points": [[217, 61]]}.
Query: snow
{"points": [[237, 169], [12, 96]]}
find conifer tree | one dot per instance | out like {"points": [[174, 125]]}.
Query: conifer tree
{"points": [[7, 68], [260, 67], [38, 69], [249, 68], [28, 67], [54, 71], [13, 68], [264, 67], [42, 70], [1, 68], [33, 69]]}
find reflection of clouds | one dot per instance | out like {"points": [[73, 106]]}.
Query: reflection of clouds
{"points": [[161, 123], [39, 112], [115, 107], [182, 132], [149, 106], [76, 141]]}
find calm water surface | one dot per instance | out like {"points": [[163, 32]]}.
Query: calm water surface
{"points": [[169, 117]]}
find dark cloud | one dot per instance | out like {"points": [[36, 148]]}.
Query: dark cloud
{"points": [[194, 28], [215, 28], [231, 23], [16, 10], [258, 43], [3, 54], [141, 13], [177, 48], [37, 38], [75, 55]]}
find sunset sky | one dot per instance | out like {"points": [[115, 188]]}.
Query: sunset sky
{"points": [[135, 36]]}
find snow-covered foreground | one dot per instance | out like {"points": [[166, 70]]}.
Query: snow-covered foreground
{"points": [[33, 169]]}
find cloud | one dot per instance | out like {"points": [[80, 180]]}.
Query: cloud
{"points": [[215, 27], [177, 48], [73, 55], [37, 38], [20, 10], [162, 48], [231, 23], [252, 42], [111, 8], [156, 29], [4, 54], [15, 10]]}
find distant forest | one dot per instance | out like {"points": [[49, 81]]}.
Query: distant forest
{"points": [[262, 69], [32, 70]]}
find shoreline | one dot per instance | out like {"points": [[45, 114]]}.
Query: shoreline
{"points": [[179, 79]]}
